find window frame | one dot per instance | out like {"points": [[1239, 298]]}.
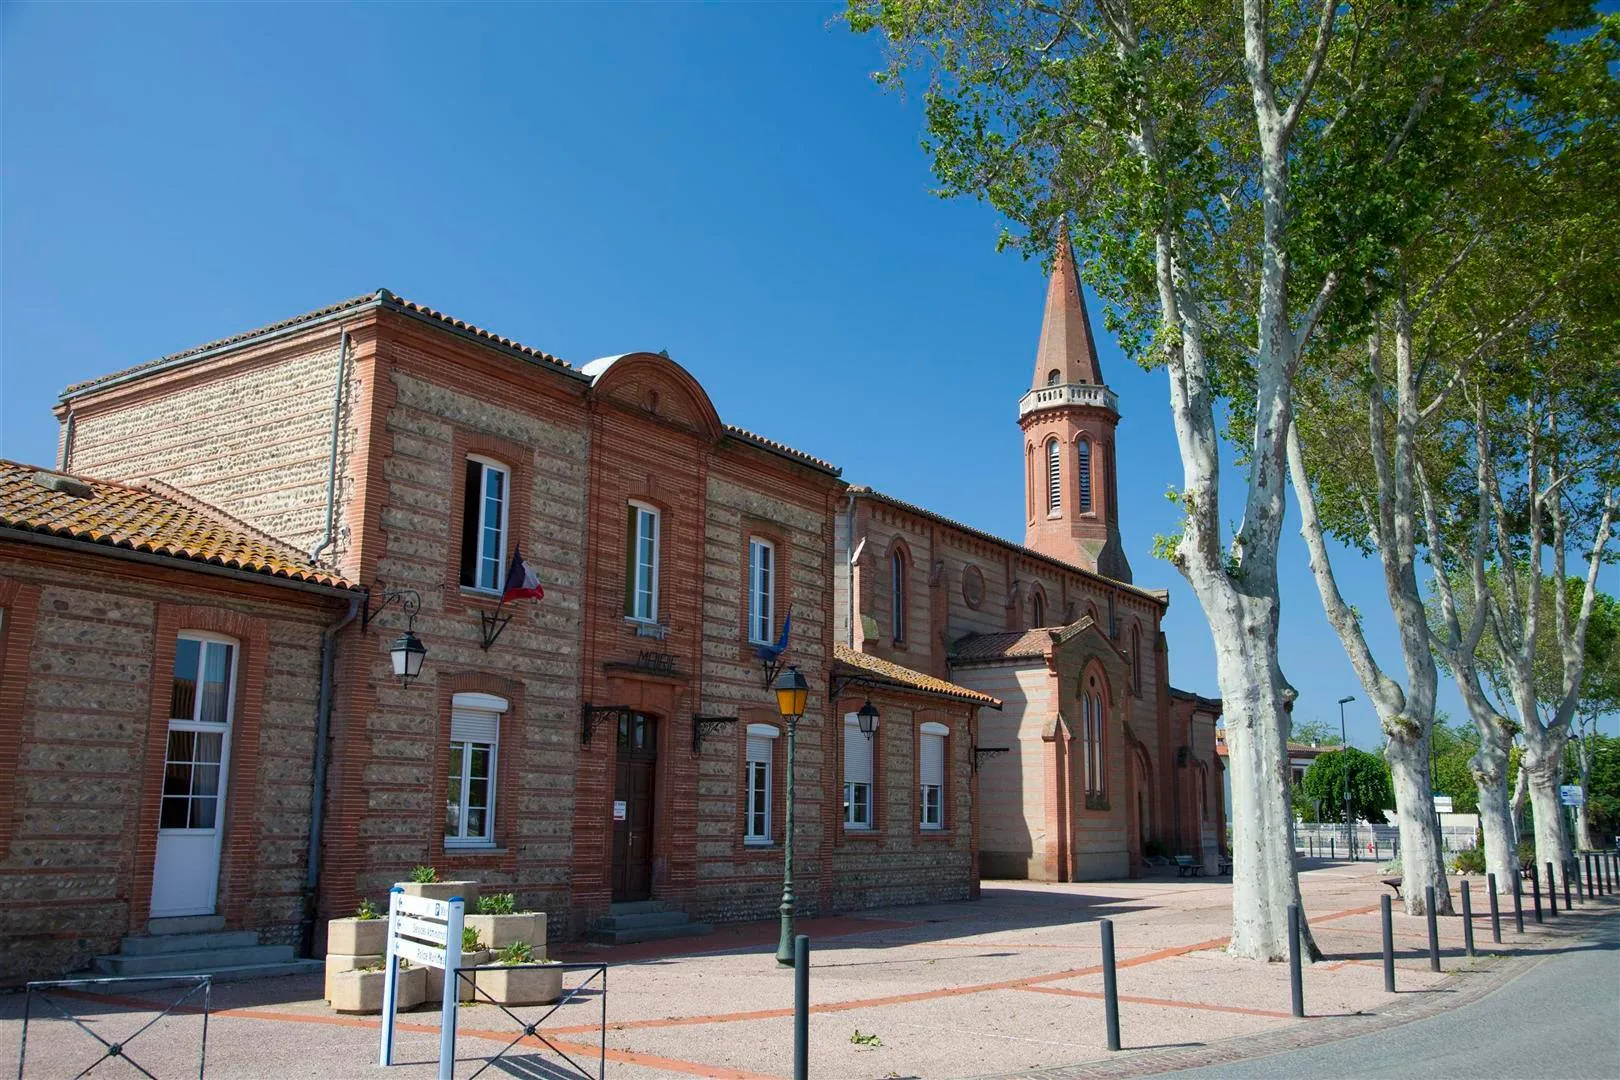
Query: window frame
{"points": [[765, 592], [1054, 477], [933, 730], [852, 723], [485, 464], [899, 594], [633, 565], [472, 701], [195, 724], [759, 804], [1085, 502]]}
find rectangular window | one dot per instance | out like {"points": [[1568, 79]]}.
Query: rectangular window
{"points": [[761, 591], [857, 775], [199, 717], [469, 802], [757, 777], [641, 564], [483, 525], [931, 779]]}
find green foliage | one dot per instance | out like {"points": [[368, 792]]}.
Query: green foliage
{"points": [[470, 941], [366, 911], [1527, 853], [519, 952], [1314, 733], [1468, 861], [1371, 790], [424, 875], [496, 904], [1452, 749], [867, 1041], [1603, 791]]}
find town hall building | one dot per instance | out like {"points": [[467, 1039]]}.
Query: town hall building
{"points": [[301, 499]]}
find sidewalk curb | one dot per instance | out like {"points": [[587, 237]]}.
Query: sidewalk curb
{"points": [[1486, 974]]}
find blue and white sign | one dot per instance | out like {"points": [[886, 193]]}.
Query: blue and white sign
{"points": [[1571, 795], [425, 932]]}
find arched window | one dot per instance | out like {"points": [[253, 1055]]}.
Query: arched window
{"points": [[1037, 609], [1083, 470], [1136, 659], [1091, 737], [1054, 377], [897, 594], [1054, 477]]}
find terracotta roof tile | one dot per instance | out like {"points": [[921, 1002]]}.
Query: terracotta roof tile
{"points": [[164, 521], [1013, 645], [782, 448], [876, 669]]}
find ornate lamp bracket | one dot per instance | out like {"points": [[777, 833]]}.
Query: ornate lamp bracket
{"points": [[592, 715], [981, 752], [839, 683], [706, 725], [409, 600], [491, 623]]}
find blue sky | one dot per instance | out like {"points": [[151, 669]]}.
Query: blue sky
{"points": [[723, 182]]}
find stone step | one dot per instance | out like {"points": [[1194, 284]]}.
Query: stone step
{"points": [[650, 933], [229, 973], [172, 943], [637, 907], [194, 961], [186, 924], [636, 921]]}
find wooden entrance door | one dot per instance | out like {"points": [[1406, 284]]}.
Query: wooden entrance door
{"points": [[633, 807]]}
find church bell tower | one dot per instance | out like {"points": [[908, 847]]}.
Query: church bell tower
{"points": [[1068, 418]]}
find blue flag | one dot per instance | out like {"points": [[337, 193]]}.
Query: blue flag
{"points": [[771, 652]]}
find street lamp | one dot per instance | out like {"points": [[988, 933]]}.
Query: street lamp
{"points": [[867, 718], [791, 694], [1344, 744]]}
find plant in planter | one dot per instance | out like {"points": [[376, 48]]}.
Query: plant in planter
{"points": [[422, 875], [425, 882], [363, 934], [500, 925], [361, 990], [516, 984], [366, 911], [473, 954]]}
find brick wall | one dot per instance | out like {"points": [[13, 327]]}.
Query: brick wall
{"points": [[86, 695]]}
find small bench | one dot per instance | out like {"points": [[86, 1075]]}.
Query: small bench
{"points": [[1394, 883], [1187, 867], [1224, 867]]}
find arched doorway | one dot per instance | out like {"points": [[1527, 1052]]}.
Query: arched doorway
{"points": [[636, 766]]}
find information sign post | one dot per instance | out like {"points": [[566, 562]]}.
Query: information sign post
{"points": [[428, 933]]}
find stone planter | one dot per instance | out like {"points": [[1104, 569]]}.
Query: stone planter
{"points": [[499, 931], [340, 962], [443, 890], [356, 937], [522, 985], [436, 977], [362, 991]]}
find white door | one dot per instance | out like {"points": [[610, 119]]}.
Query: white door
{"points": [[185, 879]]}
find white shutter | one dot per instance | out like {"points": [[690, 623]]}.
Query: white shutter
{"points": [[1054, 477], [932, 768], [759, 748], [857, 753], [474, 725]]}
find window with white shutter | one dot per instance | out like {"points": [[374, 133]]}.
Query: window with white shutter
{"points": [[757, 784], [469, 802], [858, 752], [1083, 471], [931, 775], [1054, 476]]}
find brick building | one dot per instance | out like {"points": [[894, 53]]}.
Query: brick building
{"points": [[1093, 755], [158, 663]]}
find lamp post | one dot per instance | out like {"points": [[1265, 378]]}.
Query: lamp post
{"points": [[791, 694], [1344, 744]]}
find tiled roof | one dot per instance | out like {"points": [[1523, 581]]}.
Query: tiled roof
{"points": [[782, 448], [1158, 596], [382, 298], [876, 669], [164, 523], [1013, 645]]}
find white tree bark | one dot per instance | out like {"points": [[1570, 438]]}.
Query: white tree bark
{"points": [[1583, 759]]}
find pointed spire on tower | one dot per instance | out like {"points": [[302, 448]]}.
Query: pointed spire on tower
{"points": [[1066, 346]]}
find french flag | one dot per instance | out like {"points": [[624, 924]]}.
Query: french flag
{"points": [[521, 581]]}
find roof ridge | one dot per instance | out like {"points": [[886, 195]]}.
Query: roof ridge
{"points": [[165, 490]]}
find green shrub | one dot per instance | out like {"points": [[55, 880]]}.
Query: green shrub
{"points": [[1527, 854], [1469, 861], [496, 904], [423, 875], [366, 910], [519, 952], [470, 941]]}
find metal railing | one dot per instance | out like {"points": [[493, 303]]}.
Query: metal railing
{"points": [[53, 992], [530, 1029]]}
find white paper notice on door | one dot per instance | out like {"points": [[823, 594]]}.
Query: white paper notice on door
{"points": [[618, 810]]}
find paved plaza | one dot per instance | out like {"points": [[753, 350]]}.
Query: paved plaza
{"points": [[1008, 984]]}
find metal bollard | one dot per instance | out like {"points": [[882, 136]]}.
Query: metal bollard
{"points": [[1496, 912], [1567, 904], [801, 1007], [1535, 891], [1586, 857], [1518, 906], [1296, 981], [1389, 943], [1552, 893], [1468, 922], [1333, 852], [1434, 929], [1110, 987]]}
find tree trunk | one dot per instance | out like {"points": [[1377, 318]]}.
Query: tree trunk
{"points": [[1422, 854], [1583, 820], [1495, 815], [1520, 790], [1541, 767], [1264, 879]]}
